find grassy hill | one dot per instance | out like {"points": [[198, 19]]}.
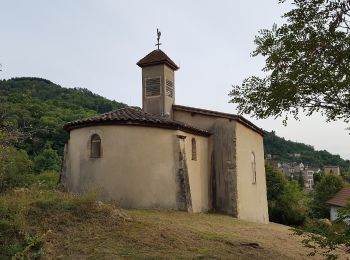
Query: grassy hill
{"points": [[53, 225]]}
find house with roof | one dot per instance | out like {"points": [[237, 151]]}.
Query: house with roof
{"points": [[168, 156], [333, 169], [340, 200]]}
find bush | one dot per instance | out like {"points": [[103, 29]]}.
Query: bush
{"points": [[47, 160], [15, 169], [47, 180]]}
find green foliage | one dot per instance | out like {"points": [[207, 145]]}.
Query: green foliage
{"points": [[328, 186], [286, 202], [47, 160], [317, 177], [323, 237], [15, 169], [307, 64], [39, 108], [47, 180], [283, 150]]}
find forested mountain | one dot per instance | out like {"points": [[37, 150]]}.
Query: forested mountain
{"points": [[282, 150], [39, 109]]}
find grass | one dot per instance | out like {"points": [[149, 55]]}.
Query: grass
{"points": [[48, 224]]}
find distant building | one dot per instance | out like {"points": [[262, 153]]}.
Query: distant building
{"points": [[332, 169], [308, 175], [340, 200], [297, 170]]}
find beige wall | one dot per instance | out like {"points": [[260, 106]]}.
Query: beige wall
{"points": [[231, 145], [138, 167], [168, 101], [252, 200], [201, 121], [198, 172], [222, 176]]}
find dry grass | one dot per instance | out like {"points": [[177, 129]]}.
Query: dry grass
{"points": [[78, 228], [162, 234]]}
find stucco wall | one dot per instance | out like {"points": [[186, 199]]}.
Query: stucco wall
{"points": [[198, 120], [222, 159], [198, 172], [251, 197], [334, 212], [138, 167], [230, 148]]}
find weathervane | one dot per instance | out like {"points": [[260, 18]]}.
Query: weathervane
{"points": [[158, 37]]}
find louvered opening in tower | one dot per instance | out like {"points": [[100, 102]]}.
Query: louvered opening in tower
{"points": [[153, 87], [169, 88]]}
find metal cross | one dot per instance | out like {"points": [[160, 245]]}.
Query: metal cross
{"points": [[158, 37]]}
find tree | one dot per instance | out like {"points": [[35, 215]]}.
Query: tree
{"points": [[317, 177], [286, 202], [307, 64], [47, 160], [328, 186]]}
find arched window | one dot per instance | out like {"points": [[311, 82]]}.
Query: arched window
{"points": [[194, 149], [95, 143], [253, 167]]}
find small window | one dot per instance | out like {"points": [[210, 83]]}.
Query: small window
{"points": [[194, 149], [169, 88], [253, 167], [95, 146], [152, 87]]}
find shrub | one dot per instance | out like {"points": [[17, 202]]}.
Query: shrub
{"points": [[47, 180], [15, 169], [47, 160]]}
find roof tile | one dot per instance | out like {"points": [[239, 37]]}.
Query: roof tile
{"points": [[134, 116], [157, 57], [341, 199]]}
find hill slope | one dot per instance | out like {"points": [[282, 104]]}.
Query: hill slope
{"points": [[59, 225]]}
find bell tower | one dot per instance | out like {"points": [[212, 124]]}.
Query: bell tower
{"points": [[158, 82]]}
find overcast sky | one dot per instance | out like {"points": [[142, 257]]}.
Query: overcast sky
{"points": [[95, 44]]}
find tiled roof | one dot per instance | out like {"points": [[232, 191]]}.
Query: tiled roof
{"points": [[134, 116], [157, 57], [341, 199], [238, 118]]}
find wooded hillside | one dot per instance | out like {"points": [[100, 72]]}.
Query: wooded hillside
{"points": [[39, 109], [283, 150]]}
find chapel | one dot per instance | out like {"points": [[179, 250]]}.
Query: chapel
{"points": [[168, 156]]}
